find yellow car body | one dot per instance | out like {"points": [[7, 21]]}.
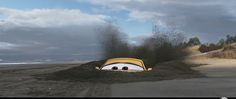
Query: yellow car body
{"points": [[124, 64]]}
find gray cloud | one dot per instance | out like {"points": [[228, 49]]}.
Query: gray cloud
{"points": [[8, 46], [208, 19], [67, 41], [48, 18], [73, 32], [49, 32]]}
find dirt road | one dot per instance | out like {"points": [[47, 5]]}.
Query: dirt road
{"points": [[217, 67], [220, 82]]}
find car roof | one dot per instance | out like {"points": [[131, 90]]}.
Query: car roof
{"points": [[135, 61]]}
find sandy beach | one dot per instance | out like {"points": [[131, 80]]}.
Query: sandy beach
{"points": [[220, 82], [18, 80]]}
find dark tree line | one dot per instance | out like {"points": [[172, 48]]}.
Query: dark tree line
{"points": [[228, 40], [220, 44], [193, 41]]}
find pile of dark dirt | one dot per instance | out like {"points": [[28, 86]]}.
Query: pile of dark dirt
{"points": [[88, 73]]}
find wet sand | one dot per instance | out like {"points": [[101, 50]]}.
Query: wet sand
{"points": [[220, 82], [216, 67], [18, 80]]}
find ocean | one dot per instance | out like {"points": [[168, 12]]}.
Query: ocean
{"points": [[43, 59]]}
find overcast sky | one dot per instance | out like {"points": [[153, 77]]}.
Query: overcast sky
{"points": [[70, 26]]}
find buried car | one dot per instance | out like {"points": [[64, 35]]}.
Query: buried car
{"points": [[124, 64]]}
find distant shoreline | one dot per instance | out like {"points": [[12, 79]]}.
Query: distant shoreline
{"points": [[20, 63], [41, 63]]}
